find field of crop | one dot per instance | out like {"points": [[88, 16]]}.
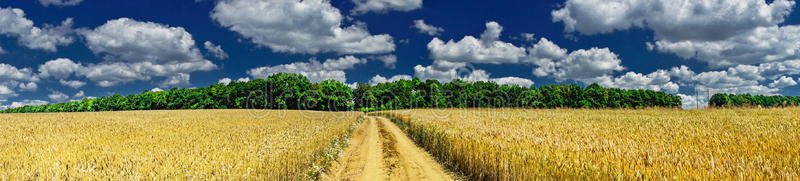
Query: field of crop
{"points": [[171, 145], [651, 144]]}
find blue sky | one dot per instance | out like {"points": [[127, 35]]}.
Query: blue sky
{"points": [[62, 50]]}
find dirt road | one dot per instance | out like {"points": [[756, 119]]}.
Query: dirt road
{"points": [[379, 150]]}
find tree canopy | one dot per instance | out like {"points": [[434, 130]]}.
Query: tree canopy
{"points": [[295, 91]]}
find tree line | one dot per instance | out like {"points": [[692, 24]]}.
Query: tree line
{"points": [[295, 91], [747, 100]]}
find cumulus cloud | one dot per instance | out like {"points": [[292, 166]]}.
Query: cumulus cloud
{"points": [[44, 38], [57, 96], [12, 78], [720, 33], [658, 81], [783, 82], [383, 6], [12, 73], [5, 93], [75, 84], [544, 54], [180, 79], [313, 69], [669, 19], [60, 2], [523, 82], [307, 26], [444, 71], [486, 50], [22, 103], [389, 61], [80, 94], [30, 86], [585, 64], [135, 50], [343, 63], [378, 79], [227, 81], [61, 67], [549, 58], [215, 50], [426, 28], [760, 45], [156, 90]]}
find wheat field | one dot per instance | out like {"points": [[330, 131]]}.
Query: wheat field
{"points": [[172, 145], [650, 144]]}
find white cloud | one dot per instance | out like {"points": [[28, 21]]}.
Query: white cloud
{"points": [[343, 63], [670, 19], [179, 79], [12, 78], [586, 64], [691, 101], [215, 50], [720, 33], [658, 81], [528, 37], [75, 84], [783, 82], [544, 54], [57, 96], [112, 74], [12, 73], [389, 61], [308, 26], [59, 2], [156, 90], [30, 86], [513, 81], [59, 68], [383, 6], [136, 50], [426, 28], [486, 50], [47, 38], [682, 73], [313, 69], [22, 103], [444, 71], [227, 81], [378, 79], [760, 45], [80, 94], [5, 93]]}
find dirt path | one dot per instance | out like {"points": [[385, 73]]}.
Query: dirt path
{"points": [[379, 150]]}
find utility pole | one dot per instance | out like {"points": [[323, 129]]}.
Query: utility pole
{"points": [[708, 96], [696, 99]]}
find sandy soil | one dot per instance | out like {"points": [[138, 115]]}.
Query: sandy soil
{"points": [[379, 150]]}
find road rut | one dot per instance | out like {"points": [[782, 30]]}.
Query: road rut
{"points": [[379, 150]]}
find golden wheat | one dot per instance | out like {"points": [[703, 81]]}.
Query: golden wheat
{"points": [[522, 144], [173, 145]]}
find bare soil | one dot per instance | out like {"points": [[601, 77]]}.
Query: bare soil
{"points": [[379, 150]]}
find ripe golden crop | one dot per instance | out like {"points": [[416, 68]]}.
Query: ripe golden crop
{"points": [[651, 144], [171, 145]]}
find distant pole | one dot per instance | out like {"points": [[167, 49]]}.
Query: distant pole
{"points": [[696, 98], [708, 95]]}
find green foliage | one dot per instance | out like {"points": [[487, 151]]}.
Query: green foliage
{"points": [[747, 100], [294, 91]]}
